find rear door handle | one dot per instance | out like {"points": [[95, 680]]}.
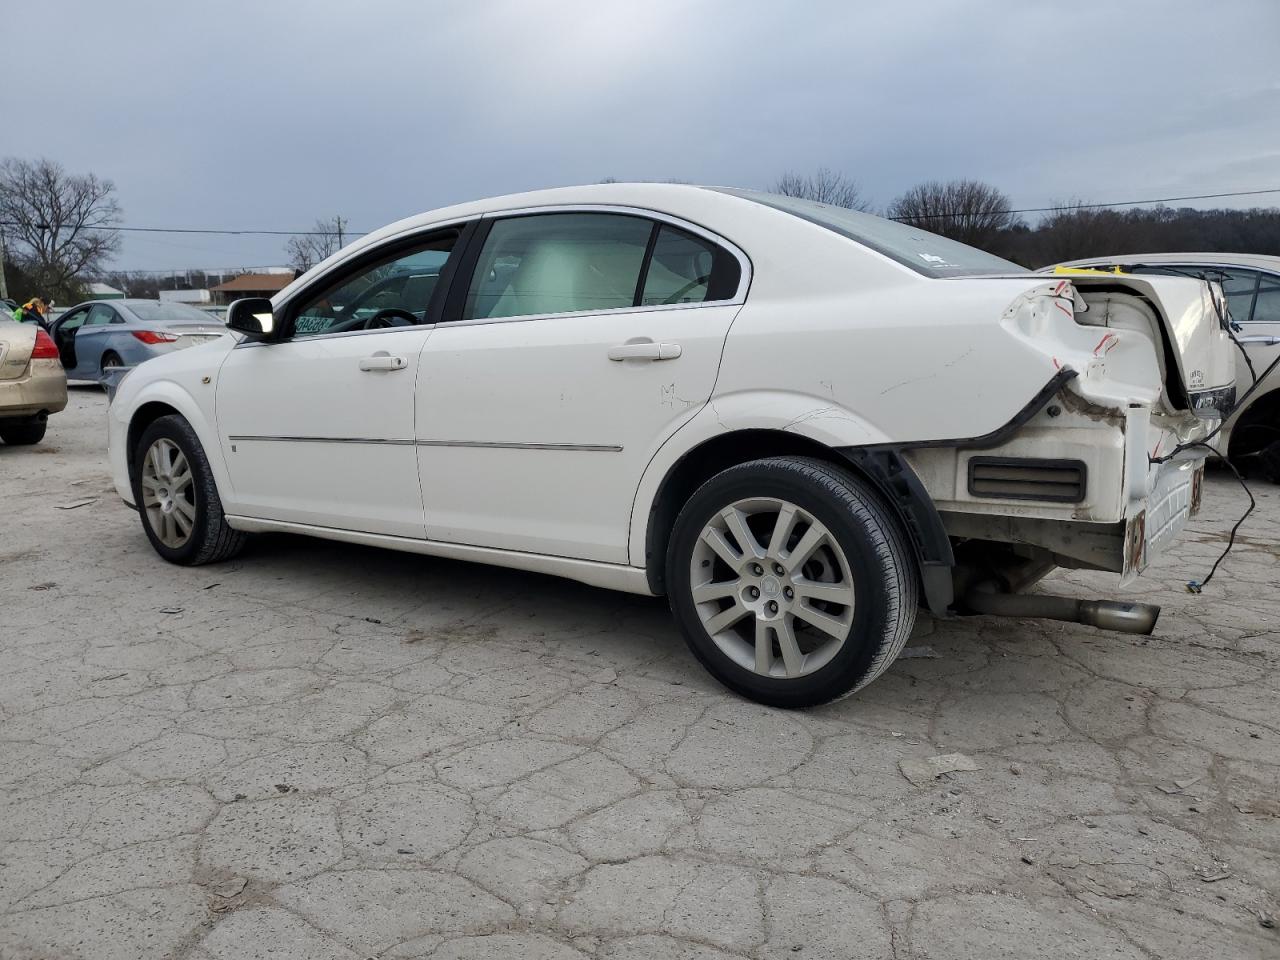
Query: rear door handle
{"points": [[644, 350], [383, 361]]}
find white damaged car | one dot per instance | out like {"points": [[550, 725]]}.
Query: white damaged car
{"points": [[797, 422]]}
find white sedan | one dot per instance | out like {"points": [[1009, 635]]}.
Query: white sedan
{"points": [[798, 422]]}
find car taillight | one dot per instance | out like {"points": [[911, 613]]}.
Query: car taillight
{"points": [[45, 348], [153, 336]]}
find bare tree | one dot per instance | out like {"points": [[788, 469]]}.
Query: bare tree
{"points": [[966, 210], [823, 186], [325, 239], [1074, 230], [58, 227], [134, 283]]}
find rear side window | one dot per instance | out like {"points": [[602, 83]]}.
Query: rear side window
{"points": [[684, 268], [99, 316], [558, 263], [1238, 285], [1266, 309], [588, 262]]}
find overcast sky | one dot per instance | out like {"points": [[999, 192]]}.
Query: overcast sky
{"points": [[273, 113]]}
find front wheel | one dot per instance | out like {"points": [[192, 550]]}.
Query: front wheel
{"points": [[791, 582], [177, 498]]}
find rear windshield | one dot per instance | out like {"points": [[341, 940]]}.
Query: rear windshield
{"points": [[922, 251], [151, 311]]}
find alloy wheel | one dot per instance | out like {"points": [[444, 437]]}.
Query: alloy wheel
{"points": [[168, 493], [772, 587]]}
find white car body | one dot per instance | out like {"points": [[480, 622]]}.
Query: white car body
{"points": [[520, 442], [1252, 285]]}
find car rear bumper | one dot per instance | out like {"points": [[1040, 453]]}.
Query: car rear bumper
{"points": [[1158, 519], [42, 389]]}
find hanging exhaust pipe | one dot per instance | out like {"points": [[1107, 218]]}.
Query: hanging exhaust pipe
{"points": [[1118, 615]]}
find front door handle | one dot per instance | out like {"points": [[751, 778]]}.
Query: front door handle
{"points": [[383, 361], [644, 350]]}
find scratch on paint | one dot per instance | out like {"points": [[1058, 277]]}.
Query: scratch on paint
{"points": [[945, 366]]}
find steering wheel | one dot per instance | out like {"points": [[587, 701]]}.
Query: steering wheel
{"points": [[675, 297], [390, 317]]}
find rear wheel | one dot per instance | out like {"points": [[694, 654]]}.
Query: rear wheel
{"points": [[792, 584], [23, 432], [177, 498], [110, 361]]}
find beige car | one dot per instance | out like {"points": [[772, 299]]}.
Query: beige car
{"points": [[32, 382]]}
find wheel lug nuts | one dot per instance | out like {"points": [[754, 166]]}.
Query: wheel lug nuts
{"points": [[779, 569], [754, 593], [757, 569], [788, 593], [773, 606]]}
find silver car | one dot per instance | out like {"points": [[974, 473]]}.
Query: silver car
{"points": [[96, 336], [1251, 282]]}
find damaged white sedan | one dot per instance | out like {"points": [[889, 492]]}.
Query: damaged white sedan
{"points": [[796, 421]]}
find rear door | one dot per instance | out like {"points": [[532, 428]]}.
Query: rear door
{"points": [[90, 341], [577, 343], [1264, 321]]}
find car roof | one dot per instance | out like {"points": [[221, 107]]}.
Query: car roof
{"points": [[681, 200], [1257, 261]]}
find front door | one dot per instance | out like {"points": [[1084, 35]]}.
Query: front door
{"points": [[318, 427], [583, 342], [64, 335]]}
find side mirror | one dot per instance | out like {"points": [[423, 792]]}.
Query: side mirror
{"points": [[252, 316]]}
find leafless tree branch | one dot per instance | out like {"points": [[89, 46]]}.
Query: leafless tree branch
{"points": [[823, 186], [59, 227]]}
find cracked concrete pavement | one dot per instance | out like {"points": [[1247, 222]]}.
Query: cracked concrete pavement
{"points": [[325, 751]]}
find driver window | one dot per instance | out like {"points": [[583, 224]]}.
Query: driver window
{"points": [[389, 293], [73, 321]]}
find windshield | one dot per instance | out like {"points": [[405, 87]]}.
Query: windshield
{"points": [[922, 251], [158, 311]]}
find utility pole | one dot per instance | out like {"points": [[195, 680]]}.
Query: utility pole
{"points": [[339, 221], [4, 287]]}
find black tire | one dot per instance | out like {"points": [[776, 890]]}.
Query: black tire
{"points": [[21, 433], [211, 539], [109, 359], [880, 561]]}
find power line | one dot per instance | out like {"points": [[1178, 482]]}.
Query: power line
{"points": [[937, 216], [1095, 206], [227, 233]]}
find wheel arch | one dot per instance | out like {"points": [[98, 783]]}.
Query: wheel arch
{"points": [[1264, 410], [164, 398], [881, 468]]}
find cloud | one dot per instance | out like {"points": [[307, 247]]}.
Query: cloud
{"points": [[270, 115]]}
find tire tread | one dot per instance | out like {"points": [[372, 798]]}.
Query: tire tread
{"points": [[897, 568]]}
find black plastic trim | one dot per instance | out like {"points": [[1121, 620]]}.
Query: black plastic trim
{"points": [[898, 484], [885, 465], [644, 264], [1079, 467], [1002, 433]]}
